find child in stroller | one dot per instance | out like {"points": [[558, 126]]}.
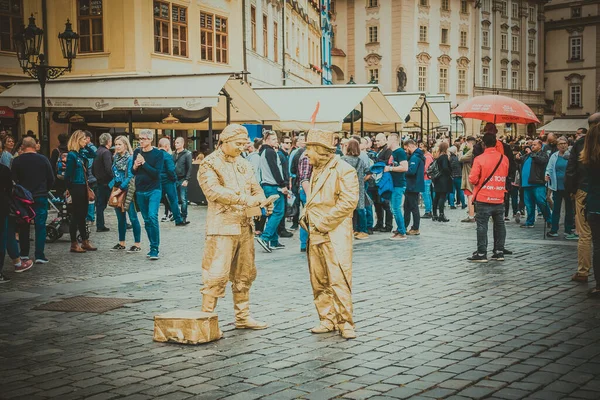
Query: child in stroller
{"points": [[59, 224]]}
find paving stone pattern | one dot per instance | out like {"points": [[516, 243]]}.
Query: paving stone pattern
{"points": [[430, 325]]}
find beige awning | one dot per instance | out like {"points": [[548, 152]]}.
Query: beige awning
{"points": [[186, 92], [296, 105], [441, 109], [564, 126], [379, 115], [410, 104]]}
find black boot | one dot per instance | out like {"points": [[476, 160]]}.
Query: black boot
{"points": [[442, 218]]}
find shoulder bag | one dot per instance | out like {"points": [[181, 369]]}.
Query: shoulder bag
{"points": [[488, 178]]}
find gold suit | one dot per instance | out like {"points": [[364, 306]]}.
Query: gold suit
{"points": [[228, 184], [329, 207]]}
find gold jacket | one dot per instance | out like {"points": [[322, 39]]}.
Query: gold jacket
{"points": [[227, 184], [332, 199]]}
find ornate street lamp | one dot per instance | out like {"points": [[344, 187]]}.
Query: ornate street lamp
{"points": [[28, 44]]}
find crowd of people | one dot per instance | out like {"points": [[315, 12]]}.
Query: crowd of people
{"points": [[86, 178], [486, 176]]}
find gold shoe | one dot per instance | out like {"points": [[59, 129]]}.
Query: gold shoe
{"points": [[251, 323], [323, 327], [348, 333], [361, 235]]}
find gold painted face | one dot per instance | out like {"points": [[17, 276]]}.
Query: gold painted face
{"points": [[235, 147], [316, 156]]}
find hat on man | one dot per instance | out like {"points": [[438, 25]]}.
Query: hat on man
{"points": [[321, 138], [233, 132], [490, 127]]}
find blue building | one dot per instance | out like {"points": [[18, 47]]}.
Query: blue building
{"points": [[326, 42]]}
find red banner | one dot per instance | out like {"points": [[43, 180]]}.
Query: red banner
{"points": [[6, 112]]}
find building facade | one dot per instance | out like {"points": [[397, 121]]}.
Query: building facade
{"points": [[572, 57], [283, 43], [455, 48]]}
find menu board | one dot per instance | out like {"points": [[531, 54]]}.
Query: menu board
{"points": [[96, 7], [5, 6]]}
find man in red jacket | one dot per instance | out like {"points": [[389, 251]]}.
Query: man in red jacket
{"points": [[488, 177]]}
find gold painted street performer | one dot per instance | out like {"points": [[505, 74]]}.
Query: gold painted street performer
{"points": [[328, 219], [233, 194]]}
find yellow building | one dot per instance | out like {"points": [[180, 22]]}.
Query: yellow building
{"points": [[573, 57], [128, 37]]}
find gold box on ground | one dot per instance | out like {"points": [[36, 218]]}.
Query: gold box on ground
{"points": [[186, 326]]}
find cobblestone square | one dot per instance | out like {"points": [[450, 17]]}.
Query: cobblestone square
{"points": [[430, 325]]}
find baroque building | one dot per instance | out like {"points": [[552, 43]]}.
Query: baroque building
{"points": [[283, 43], [454, 48], [572, 57]]}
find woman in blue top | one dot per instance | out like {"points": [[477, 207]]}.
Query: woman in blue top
{"points": [[590, 158], [123, 180], [76, 183], [555, 176]]}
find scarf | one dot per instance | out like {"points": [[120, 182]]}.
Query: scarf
{"points": [[121, 161]]}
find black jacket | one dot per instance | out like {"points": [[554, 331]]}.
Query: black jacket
{"points": [[6, 185], [102, 166], [443, 184], [384, 154], [537, 174], [576, 176], [183, 164]]}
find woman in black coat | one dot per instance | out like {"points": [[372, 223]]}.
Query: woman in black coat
{"points": [[443, 184]]}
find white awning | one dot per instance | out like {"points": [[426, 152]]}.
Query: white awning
{"points": [[296, 105], [409, 104], [188, 92], [379, 115], [246, 105], [564, 126], [442, 111]]}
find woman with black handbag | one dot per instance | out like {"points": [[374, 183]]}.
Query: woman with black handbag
{"points": [[78, 192], [121, 197]]}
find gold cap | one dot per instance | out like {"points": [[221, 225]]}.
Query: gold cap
{"points": [[233, 132], [321, 138]]}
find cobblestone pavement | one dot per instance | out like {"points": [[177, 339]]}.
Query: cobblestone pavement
{"points": [[430, 324]]}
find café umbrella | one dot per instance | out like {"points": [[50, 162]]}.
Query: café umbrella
{"points": [[497, 109]]}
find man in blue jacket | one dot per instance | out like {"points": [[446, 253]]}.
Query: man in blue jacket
{"points": [[148, 164], [415, 184], [168, 181]]}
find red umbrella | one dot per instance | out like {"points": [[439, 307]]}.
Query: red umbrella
{"points": [[495, 108]]}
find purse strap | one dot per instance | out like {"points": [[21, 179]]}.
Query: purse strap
{"points": [[489, 177]]}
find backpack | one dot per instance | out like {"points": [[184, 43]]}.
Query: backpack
{"points": [[433, 171], [21, 204], [61, 165]]}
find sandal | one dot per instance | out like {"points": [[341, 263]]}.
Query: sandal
{"points": [[594, 293]]}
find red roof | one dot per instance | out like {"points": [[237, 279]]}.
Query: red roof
{"points": [[338, 52]]}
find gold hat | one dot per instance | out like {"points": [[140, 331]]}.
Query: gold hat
{"points": [[321, 138], [233, 132]]}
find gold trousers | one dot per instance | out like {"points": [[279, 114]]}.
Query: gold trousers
{"points": [[584, 245], [332, 285], [228, 258]]}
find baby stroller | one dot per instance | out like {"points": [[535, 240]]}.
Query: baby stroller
{"points": [[60, 224]]}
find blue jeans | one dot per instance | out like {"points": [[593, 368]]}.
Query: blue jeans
{"points": [[91, 214], [270, 234], [135, 223], [362, 219], [456, 183], [170, 191], [303, 232], [40, 206], [397, 196], [558, 198], [149, 203], [536, 195], [12, 246], [102, 195], [182, 194], [427, 196]]}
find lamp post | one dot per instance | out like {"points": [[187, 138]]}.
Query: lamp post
{"points": [[27, 44]]}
